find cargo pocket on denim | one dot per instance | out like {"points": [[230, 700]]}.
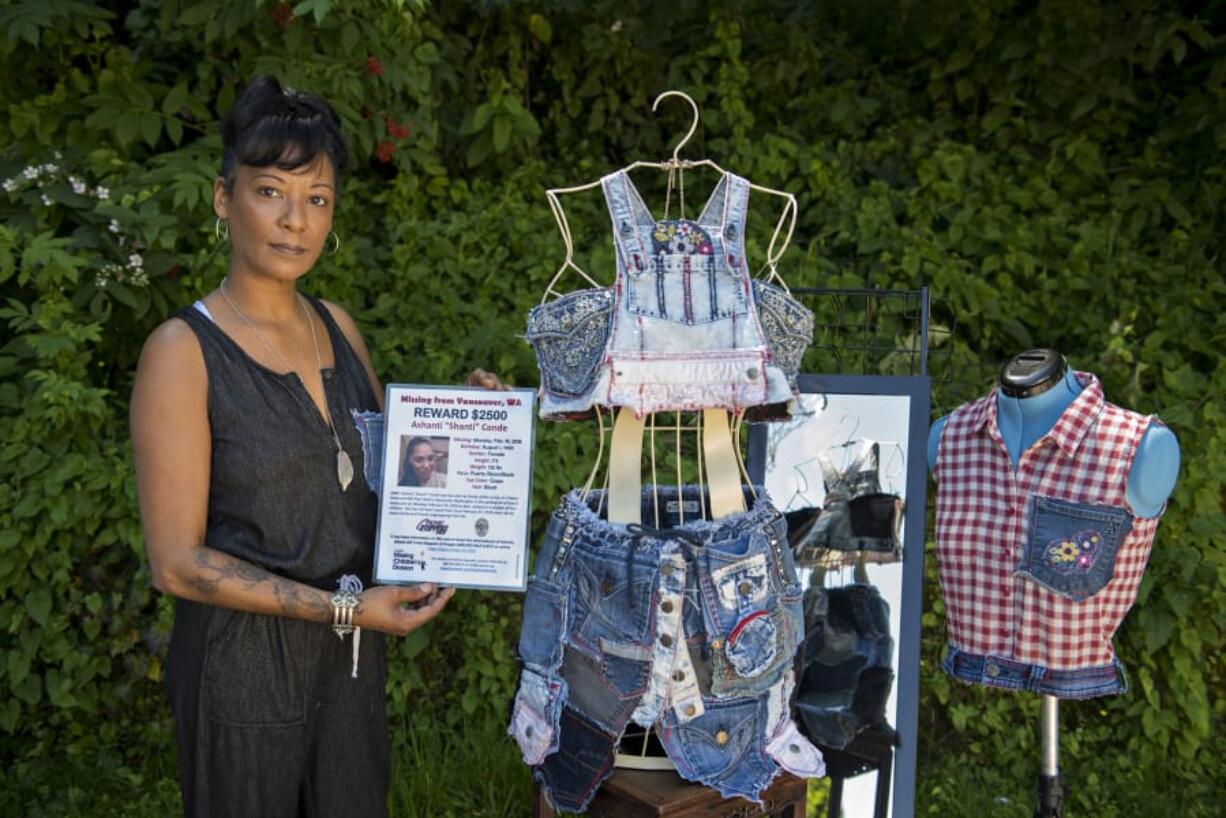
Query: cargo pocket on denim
{"points": [[787, 325], [544, 626], [536, 714], [255, 670], [1071, 548], [569, 336], [724, 748], [747, 630], [370, 430]]}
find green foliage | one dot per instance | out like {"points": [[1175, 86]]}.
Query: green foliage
{"points": [[1052, 171]]}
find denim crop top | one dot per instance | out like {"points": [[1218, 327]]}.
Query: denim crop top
{"points": [[683, 327]]}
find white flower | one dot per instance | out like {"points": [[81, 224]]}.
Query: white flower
{"points": [[113, 226], [100, 280], [46, 200], [617, 26], [102, 193], [135, 261], [10, 185], [78, 187], [49, 168], [140, 278], [30, 172]]}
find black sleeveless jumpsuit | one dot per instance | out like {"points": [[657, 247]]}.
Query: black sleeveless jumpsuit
{"points": [[270, 722]]}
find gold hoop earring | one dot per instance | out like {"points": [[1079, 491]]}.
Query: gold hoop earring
{"points": [[336, 248], [217, 231]]}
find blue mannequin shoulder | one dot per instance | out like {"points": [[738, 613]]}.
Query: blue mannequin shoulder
{"points": [[1154, 470]]}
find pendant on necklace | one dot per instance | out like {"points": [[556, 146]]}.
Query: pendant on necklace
{"points": [[344, 468]]}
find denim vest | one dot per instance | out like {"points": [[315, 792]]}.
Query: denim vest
{"points": [[683, 327]]}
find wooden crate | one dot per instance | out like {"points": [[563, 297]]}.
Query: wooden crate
{"points": [[644, 793]]}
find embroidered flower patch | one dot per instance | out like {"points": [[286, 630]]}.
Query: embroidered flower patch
{"points": [[1074, 554]]}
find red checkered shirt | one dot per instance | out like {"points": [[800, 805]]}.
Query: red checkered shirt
{"points": [[982, 523]]}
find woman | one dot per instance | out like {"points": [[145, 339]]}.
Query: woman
{"points": [[249, 470], [418, 467]]}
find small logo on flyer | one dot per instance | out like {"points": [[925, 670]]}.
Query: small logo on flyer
{"points": [[437, 526], [482, 526]]}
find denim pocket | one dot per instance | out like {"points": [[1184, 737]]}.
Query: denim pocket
{"points": [[794, 753], [746, 617], [724, 748], [787, 325], [686, 288], [535, 715], [1071, 547], [612, 602], [569, 336], [544, 628]]}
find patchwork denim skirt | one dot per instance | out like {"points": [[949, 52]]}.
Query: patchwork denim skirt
{"points": [[691, 627]]}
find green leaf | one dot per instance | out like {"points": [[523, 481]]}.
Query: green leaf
{"points": [[150, 129], [502, 132], [10, 712], [540, 28], [38, 603], [318, 8], [18, 666]]}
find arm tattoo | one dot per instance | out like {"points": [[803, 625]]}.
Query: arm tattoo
{"points": [[212, 568]]}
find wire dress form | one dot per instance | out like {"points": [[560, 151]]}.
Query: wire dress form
{"points": [[858, 521], [703, 446]]}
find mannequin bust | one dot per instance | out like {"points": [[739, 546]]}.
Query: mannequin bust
{"points": [[1036, 387]]}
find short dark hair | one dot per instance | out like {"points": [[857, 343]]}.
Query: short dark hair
{"points": [[270, 125]]}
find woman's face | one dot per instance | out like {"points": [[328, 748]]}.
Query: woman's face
{"points": [[279, 220], [421, 460]]}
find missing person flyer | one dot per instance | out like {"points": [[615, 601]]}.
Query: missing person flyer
{"points": [[457, 482]]}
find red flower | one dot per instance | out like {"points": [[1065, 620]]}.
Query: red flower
{"points": [[384, 151], [373, 66], [282, 14], [395, 129], [174, 271]]}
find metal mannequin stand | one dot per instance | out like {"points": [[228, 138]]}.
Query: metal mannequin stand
{"points": [[1051, 789]]}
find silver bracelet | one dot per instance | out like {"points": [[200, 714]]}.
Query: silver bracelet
{"points": [[343, 605]]}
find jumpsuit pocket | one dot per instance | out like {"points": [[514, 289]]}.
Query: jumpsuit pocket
{"points": [[255, 670], [370, 430], [787, 325], [544, 627], [1071, 548], [569, 336]]}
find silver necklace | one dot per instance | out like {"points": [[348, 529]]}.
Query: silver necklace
{"points": [[344, 466]]}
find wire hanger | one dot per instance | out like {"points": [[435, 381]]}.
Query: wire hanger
{"points": [[673, 165]]}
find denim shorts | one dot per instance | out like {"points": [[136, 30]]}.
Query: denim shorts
{"points": [[848, 656], [692, 628]]}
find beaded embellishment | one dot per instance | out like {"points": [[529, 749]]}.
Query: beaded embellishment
{"points": [[787, 325], [569, 336]]}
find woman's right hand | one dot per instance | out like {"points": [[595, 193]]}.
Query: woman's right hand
{"points": [[400, 610]]}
